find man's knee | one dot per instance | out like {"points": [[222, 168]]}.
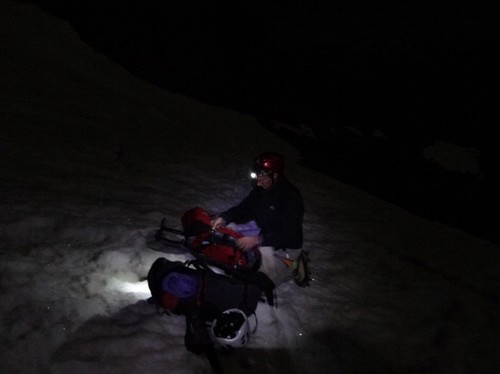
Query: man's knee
{"points": [[278, 264]]}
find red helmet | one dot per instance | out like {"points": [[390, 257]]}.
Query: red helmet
{"points": [[269, 161]]}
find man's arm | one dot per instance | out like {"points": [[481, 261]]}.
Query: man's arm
{"points": [[241, 212]]}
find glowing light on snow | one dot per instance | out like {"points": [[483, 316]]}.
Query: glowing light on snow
{"points": [[135, 287]]}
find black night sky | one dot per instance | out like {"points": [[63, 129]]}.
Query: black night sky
{"points": [[407, 64], [417, 70]]}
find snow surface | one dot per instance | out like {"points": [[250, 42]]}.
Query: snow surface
{"points": [[92, 158], [454, 158]]}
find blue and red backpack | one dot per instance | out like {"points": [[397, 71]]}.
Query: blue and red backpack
{"points": [[182, 288]]}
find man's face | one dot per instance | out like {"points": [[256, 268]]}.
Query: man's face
{"points": [[266, 181]]}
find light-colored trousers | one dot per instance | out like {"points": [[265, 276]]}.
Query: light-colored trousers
{"points": [[279, 264], [276, 264]]}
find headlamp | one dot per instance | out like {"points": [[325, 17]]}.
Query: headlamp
{"points": [[261, 173]]}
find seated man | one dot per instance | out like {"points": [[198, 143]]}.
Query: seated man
{"points": [[276, 207]]}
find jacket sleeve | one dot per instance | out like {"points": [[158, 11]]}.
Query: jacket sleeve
{"points": [[242, 212]]}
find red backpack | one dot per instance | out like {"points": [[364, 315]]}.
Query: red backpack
{"points": [[218, 245]]}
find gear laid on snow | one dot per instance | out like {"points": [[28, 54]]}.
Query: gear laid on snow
{"points": [[216, 247], [231, 329], [216, 307]]}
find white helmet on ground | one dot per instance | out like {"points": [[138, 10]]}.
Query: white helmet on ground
{"points": [[231, 329]]}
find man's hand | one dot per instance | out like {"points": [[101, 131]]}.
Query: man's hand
{"points": [[248, 242], [217, 222]]}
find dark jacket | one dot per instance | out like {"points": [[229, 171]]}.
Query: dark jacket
{"points": [[278, 212]]}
